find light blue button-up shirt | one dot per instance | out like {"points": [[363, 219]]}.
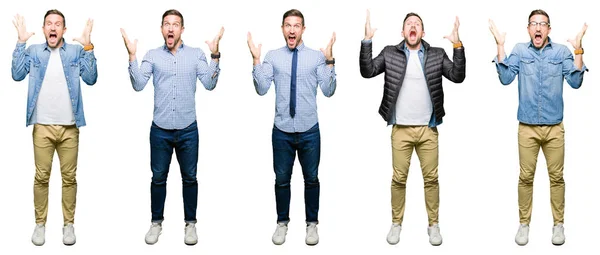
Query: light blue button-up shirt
{"points": [[541, 73], [34, 61], [311, 72], [174, 82]]}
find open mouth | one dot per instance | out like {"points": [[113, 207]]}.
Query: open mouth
{"points": [[170, 38], [412, 35], [53, 36], [292, 39]]}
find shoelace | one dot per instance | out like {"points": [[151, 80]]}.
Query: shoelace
{"points": [[280, 230]]}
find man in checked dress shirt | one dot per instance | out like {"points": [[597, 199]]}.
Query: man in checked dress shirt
{"points": [[175, 67]]}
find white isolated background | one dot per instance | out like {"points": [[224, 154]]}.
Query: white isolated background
{"points": [[478, 170]]}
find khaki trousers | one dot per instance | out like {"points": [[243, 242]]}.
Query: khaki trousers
{"points": [[425, 141], [552, 141], [65, 140]]}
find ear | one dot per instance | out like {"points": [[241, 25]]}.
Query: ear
{"points": [[182, 29], [423, 34]]}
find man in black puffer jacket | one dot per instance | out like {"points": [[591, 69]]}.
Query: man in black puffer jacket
{"points": [[413, 102]]}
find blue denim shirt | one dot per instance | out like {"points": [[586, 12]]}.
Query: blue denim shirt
{"points": [[34, 61], [541, 73]]}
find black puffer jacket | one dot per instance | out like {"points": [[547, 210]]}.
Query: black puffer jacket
{"points": [[392, 60]]}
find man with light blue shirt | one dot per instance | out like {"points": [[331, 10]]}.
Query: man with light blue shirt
{"points": [[297, 71], [175, 67], [413, 102], [541, 65], [55, 108]]}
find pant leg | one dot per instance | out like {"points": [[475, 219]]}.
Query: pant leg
{"points": [[402, 149], [529, 147], [43, 151], [554, 151], [309, 155], [284, 155], [161, 151], [67, 148], [186, 149], [427, 151]]}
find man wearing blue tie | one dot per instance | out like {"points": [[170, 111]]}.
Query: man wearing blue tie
{"points": [[296, 71]]}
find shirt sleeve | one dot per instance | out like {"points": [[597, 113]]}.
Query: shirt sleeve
{"points": [[508, 68], [140, 75], [262, 75], [326, 77], [207, 73], [20, 62], [88, 69]]}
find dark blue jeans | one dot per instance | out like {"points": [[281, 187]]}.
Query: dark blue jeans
{"points": [[185, 142], [308, 146]]}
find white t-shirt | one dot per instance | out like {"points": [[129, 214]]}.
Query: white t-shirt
{"points": [[53, 105], [414, 107]]}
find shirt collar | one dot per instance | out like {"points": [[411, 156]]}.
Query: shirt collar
{"points": [[530, 45], [299, 47], [165, 48], [63, 46]]}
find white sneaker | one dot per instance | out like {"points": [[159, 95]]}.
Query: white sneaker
{"points": [[393, 236], [280, 232], [191, 238], [435, 238], [69, 234], [522, 237], [558, 234], [39, 235], [312, 236], [153, 233]]}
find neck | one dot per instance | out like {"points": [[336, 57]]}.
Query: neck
{"points": [[176, 47]]}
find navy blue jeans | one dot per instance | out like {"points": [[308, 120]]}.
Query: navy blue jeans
{"points": [[185, 143], [308, 146]]}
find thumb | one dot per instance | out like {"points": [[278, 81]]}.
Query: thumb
{"points": [[135, 42], [374, 29], [207, 42], [259, 46]]}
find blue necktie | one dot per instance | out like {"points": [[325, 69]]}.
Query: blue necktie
{"points": [[293, 84]]}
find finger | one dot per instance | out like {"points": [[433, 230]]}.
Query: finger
{"points": [[124, 34], [221, 32], [368, 16], [135, 42]]}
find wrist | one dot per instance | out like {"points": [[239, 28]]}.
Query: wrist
{"points": [[457, 44], [215, 55], [578, 51], [88, 47]]}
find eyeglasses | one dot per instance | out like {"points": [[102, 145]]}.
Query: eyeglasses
{"points": [[542, 24]]}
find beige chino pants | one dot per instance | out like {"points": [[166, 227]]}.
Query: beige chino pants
{"points": [[425, 141], [552, 141], [65, 140]]}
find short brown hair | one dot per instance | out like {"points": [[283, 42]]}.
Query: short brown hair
{"points": [[410, 14], [172, 12], [293, 12], [539, 12], [57, 12]]}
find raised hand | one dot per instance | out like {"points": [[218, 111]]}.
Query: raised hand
{"points": [[576, 43], [369, 32], [453, 36], [499, 37], [84, 39], [131, 47], [255, 51], [328, 52], [19, 23], [213, 45]]}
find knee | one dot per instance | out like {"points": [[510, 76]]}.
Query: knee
{"points": [[399, 180], [159, 179], [311, 181], [430, 181], [282, 181], [41, 178], [526, 178]]}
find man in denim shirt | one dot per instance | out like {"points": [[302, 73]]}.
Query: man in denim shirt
{"points": [[55, 108], [176, 67], [541, 65]]}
